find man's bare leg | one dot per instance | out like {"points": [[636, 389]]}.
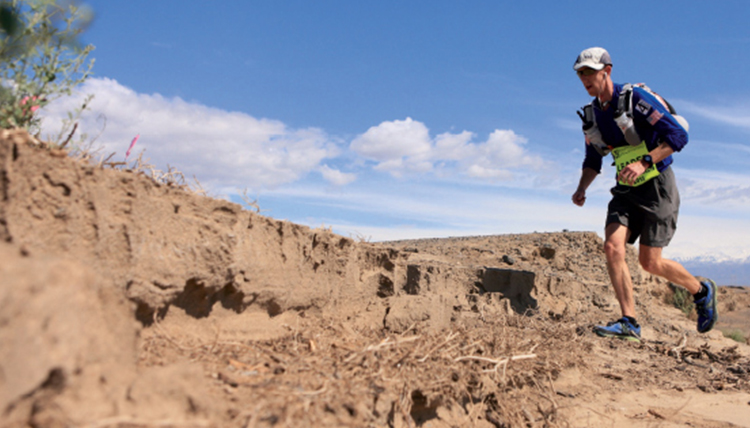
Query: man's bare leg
{"points": [[616, 238], [652, 261]]}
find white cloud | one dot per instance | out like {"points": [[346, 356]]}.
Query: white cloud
{"points": [[736, 115], [478, 171], [724, 190], [504, 146], [393, 140], [502, 153], [402, 147], [708, 236], [217, 146], [453, 147], [224, 149], [416, 210], [469, 209], [336, 177]]}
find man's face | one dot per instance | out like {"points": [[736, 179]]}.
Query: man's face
{"points": [[595, 81]]}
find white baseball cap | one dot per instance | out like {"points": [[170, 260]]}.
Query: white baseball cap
{"points": [[596, 58]]}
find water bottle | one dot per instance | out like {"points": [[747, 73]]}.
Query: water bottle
{"points": [[625, 123], [591, 131]]}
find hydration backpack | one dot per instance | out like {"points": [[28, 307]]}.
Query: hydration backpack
{"points": [[624, 118]]}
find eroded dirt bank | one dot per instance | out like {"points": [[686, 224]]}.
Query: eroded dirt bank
{"points": [[129, 303]]}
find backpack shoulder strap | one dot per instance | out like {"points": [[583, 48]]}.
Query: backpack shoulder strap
{"points": [[661, 99], [624, 103]]}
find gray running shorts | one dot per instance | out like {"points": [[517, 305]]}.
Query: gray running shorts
{"points": [[649, 210]]}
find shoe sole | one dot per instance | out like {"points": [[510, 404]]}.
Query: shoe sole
{"points": [[716, 310], [618, 336]]}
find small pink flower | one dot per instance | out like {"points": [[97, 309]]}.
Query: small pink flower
{"points": [[132, 143], [26, 99]]}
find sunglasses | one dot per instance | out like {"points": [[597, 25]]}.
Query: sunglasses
{"points": [[586, 72]]}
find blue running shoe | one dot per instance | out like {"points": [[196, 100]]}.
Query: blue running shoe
{"points": [[706, 308], [621, 329]]}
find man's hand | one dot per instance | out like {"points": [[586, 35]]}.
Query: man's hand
{"points": [[587, 177], [579, 197], [631, 172]]}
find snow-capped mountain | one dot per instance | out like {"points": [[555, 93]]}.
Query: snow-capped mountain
{"points": [[723, 270]]}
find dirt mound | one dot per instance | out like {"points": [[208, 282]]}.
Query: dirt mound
{"points": [[133, 303]]}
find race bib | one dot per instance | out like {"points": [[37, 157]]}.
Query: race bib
{"points": [[626, 155]]}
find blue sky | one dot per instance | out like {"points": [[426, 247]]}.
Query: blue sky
{"points": [[404, 119]]}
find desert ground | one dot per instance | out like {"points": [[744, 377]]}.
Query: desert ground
{"points": [[129, 300]]}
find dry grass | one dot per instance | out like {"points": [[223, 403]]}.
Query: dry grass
{"points": [[499, 371], [171, 178], [327, 376], [249, 202], [86, 153]]}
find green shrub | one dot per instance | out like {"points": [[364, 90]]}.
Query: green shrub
{"points": [[736, 335], [682, 300], [41, 57]]}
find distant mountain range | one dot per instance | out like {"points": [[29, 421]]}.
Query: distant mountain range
{"points": [[722, 271]]}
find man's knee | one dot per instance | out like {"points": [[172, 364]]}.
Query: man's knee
{"points": [[614, 250], [649, 262]]}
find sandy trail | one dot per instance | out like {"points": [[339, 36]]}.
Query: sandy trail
{"points": [[128, 302]]}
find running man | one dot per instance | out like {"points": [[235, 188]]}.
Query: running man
{"points": [[641, 131]]}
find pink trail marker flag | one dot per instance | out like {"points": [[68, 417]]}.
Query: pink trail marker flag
{"points": [[132, 143]]}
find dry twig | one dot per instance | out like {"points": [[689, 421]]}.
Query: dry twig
{"points": [[498, 363], [450, 337], [677, 350]]}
